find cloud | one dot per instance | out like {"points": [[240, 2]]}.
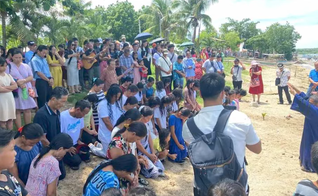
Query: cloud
{"points": [[303, 15]]}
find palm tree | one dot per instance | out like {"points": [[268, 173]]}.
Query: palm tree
{"points": [[54, 25], [191, 13], [160, 18]]}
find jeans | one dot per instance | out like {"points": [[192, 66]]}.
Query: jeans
{"points": [[237, 84], [280, 94], [178, 83], [93, 72], [309, 91], [44, 91]]}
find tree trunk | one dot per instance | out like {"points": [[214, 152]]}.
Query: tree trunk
{"points": [[4, 36], [199, 35], [194, 34]]}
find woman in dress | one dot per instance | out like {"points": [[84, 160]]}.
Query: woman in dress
{"points": [[107, 173], [198, 69], [177, 143], [189, 94], [7, 104], [44, 169], [109, 75], [55, 62], [256, 85], [146, 55], [137, 76], [24, 102], [72, 70], [27, 147]]}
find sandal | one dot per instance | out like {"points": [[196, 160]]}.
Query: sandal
{"points": [[143, 181]]}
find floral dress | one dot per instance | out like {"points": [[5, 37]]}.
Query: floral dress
{"points": [[119, 142]]}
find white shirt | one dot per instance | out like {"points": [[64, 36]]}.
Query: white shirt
{"points": [[210, 67], [283, 77], [162, 118], [139, 96], [239, 127], [160, 94], [151, 129], [165, 64], [175, 106], [104, 135], [71, 125], [173, 57], [156, 56], [123, 100], [237, 71]]}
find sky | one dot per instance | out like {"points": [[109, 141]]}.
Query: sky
{"points": [[301, 14]]}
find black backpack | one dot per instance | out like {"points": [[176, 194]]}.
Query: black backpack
{"points": [[212, 156]]}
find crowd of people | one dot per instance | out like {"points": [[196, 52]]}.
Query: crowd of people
{"points": [[123, 119]]}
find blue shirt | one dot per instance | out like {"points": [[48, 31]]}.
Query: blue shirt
{"points": [[24, 158], [314, 76], [101, 181], [188, 62], [179, 67], [40, 64], [220, 65], [28, 56]]}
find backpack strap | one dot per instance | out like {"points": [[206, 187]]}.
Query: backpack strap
{"points": [[193, 128], [222, 121]]}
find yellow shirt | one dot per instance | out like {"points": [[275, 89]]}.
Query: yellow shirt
{"points": [[52, 60], [156, 145]]}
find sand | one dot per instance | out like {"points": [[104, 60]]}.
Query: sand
{"points": [[275, 171]]}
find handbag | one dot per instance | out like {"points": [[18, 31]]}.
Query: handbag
{"points": [[255, 82], [277, 81]]}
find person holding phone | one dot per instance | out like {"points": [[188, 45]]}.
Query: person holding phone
{"points": [[236, 72]]}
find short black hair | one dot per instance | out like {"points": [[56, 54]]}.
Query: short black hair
{"points": [[42, 47], [131, 101], [177, 93], [133, 88], [127, 79], [227, 187], [211, 85], [151, 79], [59, 92], [86, 42], [125, 45], [60, 46], [83, 104], [140, 85], [135, 44], [170, 46], [6, 137], [232, 92], [93, 98], [227, 89], [180, 57], [212, 55], [243, 92], [75, 39]]}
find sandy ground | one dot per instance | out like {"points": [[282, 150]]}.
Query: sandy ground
{"points": [[275, 171]]}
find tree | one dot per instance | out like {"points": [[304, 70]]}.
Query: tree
{"points": [[282, 39], [258, 42], [245, 28], [191, 14], [232, 39], [122, 18], [206, 38]]}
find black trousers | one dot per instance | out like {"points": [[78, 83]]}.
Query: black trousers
{"points": [[87, 138], [237, 84], [44, 91], [81, 77], [280, 94], [62, 169], [74, 160]]}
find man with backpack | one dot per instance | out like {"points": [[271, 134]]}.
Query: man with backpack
{"points": [[217, 138]]}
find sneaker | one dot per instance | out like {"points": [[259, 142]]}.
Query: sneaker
{"points": [[75, 168]]}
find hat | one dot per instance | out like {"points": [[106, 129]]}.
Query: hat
{"points": [[31, 43], [123, 37], [100, 40], [165, 51], [280, 65], [254, 62]]}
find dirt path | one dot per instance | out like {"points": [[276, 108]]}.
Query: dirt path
{"points": [[274, 172]]}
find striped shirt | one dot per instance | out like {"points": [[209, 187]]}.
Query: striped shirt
{"points": [[306, 188], [100, 96]]}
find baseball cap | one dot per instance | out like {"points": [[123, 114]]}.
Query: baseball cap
{"points": [[31, 43], [165, 51], [123, 37], [280, 65], [100, 40]]}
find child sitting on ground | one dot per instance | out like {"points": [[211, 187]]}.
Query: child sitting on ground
{"points": [[161, 145], [239, 93]]}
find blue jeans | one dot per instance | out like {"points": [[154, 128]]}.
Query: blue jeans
{"points": [[178, 83], [309, 91]]}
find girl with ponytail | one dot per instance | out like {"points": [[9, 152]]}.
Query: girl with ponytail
{"points": [[106, 175], [44, 169]]}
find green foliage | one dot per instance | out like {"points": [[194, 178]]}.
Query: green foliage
{"points": [[245, 28], [282, 39], [232, 39], [122, 18], [307, 51]]}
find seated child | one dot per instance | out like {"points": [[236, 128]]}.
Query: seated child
{"points": [[160, 90], [227, 187], [177, 143]]}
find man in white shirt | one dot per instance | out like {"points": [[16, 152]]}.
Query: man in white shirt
{"points": [[165, 66], [239, 126], [72, 123], [155, 60], [210, 66], [236, 72], [284, 75], [171, 54]]}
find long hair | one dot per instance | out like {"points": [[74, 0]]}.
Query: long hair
{"points": [[50, 53], [136, 127], [163, 134], [62, 140], [189, 82], [164, 100], [126, 163], [112, 91], [132, 114]]}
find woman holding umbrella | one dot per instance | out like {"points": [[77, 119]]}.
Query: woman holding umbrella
{"points": [[146, 55]]}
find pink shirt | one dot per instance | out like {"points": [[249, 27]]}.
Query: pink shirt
{"points": [[47, 170]]}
